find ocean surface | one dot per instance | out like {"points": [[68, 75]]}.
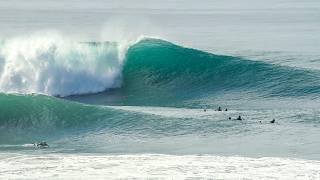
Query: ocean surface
{"points": [[130, 90]]}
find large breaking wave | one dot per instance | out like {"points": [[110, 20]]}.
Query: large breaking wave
{"points": [[151, 72], [160, 66], [56, 66]]}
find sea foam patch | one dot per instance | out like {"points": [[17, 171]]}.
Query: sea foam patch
{"points": [[155, 166]]}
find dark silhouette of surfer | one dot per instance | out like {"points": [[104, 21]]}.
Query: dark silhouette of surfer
{"points": [[219, 108], [239, 118], [42, 144], [273, 121]]}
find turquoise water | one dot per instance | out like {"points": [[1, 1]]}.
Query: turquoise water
{"points": [[127, 83], [158, 108]]}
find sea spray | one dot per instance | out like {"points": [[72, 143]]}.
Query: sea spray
{"points": [[54, 65]]}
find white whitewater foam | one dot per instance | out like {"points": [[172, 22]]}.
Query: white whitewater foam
{"points": [[51, 64], [153, 166], [171, 112]]}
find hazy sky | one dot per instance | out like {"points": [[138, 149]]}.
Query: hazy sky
{"points": [[215, 25], [157, 4]]}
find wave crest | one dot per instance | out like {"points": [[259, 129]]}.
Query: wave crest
{"points": [[54, 65]]}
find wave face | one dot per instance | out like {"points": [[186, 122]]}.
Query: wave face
{"points": [[166, 72], [24, 117], [153, 67], [153, 72], [53, 65]]}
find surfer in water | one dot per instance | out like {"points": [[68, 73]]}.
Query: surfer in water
{"points": [[219, 108], [42, 144], [239, 118], [273, 121]]}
